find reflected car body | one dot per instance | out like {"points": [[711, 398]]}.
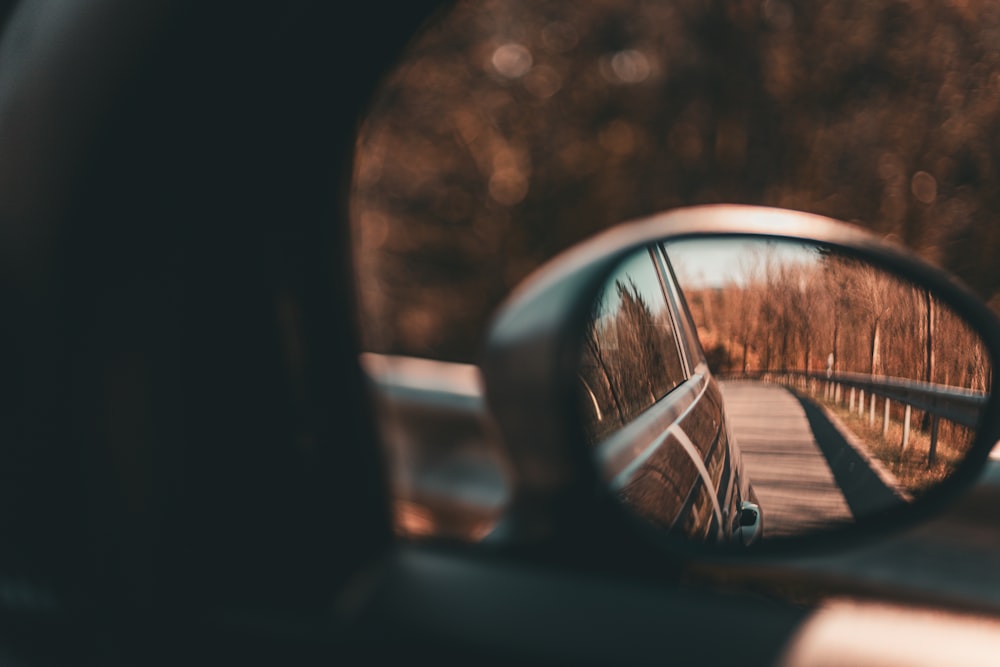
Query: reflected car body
{"points": [[655, 415]]}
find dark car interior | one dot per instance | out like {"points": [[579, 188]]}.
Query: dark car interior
{"points": [[189, 463], [190, 466]]}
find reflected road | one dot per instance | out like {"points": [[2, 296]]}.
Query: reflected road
{"points": [[792, 477]]}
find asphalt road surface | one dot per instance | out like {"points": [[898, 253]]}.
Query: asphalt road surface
{"points": [[806, 474]]}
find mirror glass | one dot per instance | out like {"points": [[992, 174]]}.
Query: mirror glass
{"points": [[736, 389]]}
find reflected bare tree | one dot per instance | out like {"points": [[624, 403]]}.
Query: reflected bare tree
{"points": [[789, 315]]}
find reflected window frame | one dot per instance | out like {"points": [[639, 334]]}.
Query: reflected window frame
{"points": [[693, 353]]}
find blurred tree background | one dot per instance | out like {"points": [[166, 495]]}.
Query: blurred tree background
{"points": [[515, 128]]}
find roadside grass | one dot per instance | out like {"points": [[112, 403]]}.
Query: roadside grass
{"points": [[910, 467]]}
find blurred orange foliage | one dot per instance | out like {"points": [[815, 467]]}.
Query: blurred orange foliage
{"points": [[514, 128]]}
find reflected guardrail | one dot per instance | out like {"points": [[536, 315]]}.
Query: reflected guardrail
{"points": [[957, 405]]}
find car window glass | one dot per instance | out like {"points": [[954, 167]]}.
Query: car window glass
{"points": [[631, 358]]}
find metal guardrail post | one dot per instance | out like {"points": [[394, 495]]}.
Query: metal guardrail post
{"points": [[906, 427], [851, 408], [885, 419], [871, 411], [861, 402]]}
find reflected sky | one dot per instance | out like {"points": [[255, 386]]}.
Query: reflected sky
{"points": [[717, 262], [637, 270]]}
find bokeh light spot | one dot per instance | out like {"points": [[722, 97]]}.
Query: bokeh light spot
{"points": [[543, 81], [508, 186], [629, 66], [512, 60], [924, 187]]}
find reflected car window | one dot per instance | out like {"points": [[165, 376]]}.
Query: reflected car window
{"points": [[631, 357]]}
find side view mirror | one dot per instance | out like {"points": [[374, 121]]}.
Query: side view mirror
{"points": [[731, 377]]}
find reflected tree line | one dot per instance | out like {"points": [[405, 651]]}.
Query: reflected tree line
{"points": [[834, 313], [630, 359]]}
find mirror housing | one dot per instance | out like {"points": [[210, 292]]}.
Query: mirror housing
{"points": [[534, 346]]}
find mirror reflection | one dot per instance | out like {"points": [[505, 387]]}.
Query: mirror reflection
{"points": [[735, 389]]}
